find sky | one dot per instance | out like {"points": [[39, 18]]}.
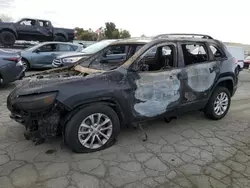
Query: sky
{"points": [[223, 20]]}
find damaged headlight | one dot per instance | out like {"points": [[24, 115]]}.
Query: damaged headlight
{"points": [[71, 59], [35, 101]]}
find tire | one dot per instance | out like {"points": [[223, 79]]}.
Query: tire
{"points": [[237, 70], [7, 38], [210, 109], [72, 137], [26, 64], [59, 38]]}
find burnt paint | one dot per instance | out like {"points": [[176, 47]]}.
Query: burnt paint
{"points": [[156, 91]]}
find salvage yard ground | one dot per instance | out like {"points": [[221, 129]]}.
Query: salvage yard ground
{"points": [[191, 151]]}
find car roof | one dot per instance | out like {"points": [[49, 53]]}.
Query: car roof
{"points": [[145, 40], [55, 42]]}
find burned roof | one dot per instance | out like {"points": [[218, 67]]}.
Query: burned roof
{"points": [[166, 37]]}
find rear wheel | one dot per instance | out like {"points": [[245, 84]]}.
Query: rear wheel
{"points": [[26, 64], [7, 38], [218, 104], [92, 128]]}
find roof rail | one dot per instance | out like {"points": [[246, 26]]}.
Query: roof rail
{"points": [[182, 34]]}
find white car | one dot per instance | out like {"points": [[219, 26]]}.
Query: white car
{"points": [[238, 54]]}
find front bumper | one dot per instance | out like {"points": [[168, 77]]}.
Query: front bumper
{"points": [[44, 121]]}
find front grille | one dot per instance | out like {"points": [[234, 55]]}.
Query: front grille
{"points": [[57, 62]]}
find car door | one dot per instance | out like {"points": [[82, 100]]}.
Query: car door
{"points": [[27, 29], [200, 71], [44, 55], [156, 90], [45, 30]]}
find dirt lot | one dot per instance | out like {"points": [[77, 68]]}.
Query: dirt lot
{"points": [[188, 152]]}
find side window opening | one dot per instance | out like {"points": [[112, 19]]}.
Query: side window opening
{"points": [[48, 48], [28, 22], [194, 53], [74, 48], [116, 50], [216, 52], [157, 58], [64, 48], [110, 58]]}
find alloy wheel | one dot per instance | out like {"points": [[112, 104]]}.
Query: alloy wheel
{"points": [[221, 103], [95, 130]]}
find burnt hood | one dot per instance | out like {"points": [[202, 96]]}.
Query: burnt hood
{"points": [[53, 81], [35, 86]]}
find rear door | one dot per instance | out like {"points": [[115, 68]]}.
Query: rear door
{"points": [[44, 55], [200, 71], [45, 29]]}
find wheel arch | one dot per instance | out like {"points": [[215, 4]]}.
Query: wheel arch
{"points": [[227, 82], [9, 30], [62, 34], [111, 102]]}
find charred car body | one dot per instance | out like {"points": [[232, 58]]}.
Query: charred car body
{"points": [[90, 101]]}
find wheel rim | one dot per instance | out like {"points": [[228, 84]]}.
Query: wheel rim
{"points": [[95, 130], [221, 104], [24, 65]]}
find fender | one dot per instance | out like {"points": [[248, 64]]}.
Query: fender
{"points": [[227, 78], [11, 29], [62, 33], [111, 101]]}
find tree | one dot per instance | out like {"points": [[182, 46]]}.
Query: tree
{"points": [[5, 18], [111, 32], [88, 35], [124, 34]]}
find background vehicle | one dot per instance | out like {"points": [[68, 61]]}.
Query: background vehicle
{"points": [[238, 53], [90, 110], [42, 55], [70, 58], [33, 30], [11, 68], [247, 62]]}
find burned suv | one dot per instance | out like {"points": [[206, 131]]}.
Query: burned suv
{"points": [[90, 101]]}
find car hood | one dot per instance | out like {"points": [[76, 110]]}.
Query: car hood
{"points": [[51, 80], [72, 54]]}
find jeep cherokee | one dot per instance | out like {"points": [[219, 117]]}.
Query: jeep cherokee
{"points": [[90, 101]]}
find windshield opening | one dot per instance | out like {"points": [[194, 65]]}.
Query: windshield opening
{"points": [[97, 46]]}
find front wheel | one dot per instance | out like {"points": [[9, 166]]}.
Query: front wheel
{"points": [[92, 128], [7, 38], [26, 64], [218, 104]]}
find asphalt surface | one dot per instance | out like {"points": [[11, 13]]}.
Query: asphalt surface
{"points": [[191, 151]]}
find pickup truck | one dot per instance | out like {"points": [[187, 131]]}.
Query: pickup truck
{"points": [[33, 30]]}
